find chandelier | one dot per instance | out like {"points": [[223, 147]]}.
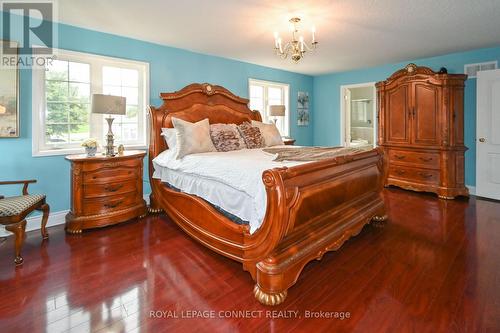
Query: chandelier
{"points": [[296, 48]]}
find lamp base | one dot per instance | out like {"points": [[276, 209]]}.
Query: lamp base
{"points": [[110, 148]]}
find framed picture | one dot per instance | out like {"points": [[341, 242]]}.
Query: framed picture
{"points": [[9, 99], [303, 108]]}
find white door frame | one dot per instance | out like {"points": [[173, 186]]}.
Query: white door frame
{"points": [[344, 117]]}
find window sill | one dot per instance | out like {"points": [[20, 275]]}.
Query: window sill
{"points": [[69, 151]]}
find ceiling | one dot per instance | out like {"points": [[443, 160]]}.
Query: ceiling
{"points": [[351, 33]]}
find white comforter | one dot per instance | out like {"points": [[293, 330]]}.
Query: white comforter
{"points": [[239, 171]]}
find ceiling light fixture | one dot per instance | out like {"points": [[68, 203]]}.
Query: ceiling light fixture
{"points": [[296, 48]]}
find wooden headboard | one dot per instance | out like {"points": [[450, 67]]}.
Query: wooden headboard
{"points": [[193, 103]]}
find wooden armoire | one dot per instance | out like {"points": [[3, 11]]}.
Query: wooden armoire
{"points": [[421, 129]]}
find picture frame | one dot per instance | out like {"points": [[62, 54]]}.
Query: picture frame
{"points": [[303, 108], [9, 99]]}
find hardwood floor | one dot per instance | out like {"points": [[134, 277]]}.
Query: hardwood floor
{"points": [[434, 267]]}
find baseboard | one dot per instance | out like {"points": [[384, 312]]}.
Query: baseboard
{"points": [[56, 218], [34, 223], [472, 190]]}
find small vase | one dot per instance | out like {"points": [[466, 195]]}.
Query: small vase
{"points": [[91, 151]]}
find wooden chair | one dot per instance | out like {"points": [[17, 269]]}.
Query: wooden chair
{"points": [[13, 212]]}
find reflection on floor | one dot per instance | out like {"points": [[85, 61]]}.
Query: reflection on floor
{"points": [[435, 267]]}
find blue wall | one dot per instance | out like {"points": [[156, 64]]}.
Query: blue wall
{"points": [[170, 70], [326, 101]]}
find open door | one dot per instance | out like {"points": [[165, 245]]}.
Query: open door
{"points": [[488, 135], [358, 115]]}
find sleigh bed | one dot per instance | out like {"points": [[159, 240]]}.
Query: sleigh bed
{"points": [[311, 208]]}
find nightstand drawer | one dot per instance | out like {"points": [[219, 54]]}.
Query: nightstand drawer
{"points": [[112, 203], [414, 174], [108, 189], [112, 163], [427, 160], [109, 175]]}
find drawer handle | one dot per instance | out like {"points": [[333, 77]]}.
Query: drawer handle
{"points": [[425, 175], [400, 157], [113, 205], [400, 172], [426, 159], [113, 189]]}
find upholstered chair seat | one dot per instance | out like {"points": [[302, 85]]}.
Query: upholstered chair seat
{"points": [[13, 212], [12, 206]]}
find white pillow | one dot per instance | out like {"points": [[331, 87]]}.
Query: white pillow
{"points": [[192, 137], [170, 135], [272, 136]]}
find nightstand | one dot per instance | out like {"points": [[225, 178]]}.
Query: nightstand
{"points": [[105, 190], [289, 141]]}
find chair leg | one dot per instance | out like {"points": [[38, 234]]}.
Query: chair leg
{"points": [[45, 208], [18, 229]]}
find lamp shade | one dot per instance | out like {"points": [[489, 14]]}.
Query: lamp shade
{"points": [[108, 104], [277, 110]]}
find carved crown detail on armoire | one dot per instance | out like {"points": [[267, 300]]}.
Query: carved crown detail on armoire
{"points": [[421, 128]]}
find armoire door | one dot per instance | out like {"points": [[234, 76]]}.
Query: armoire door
{"points": [[425, 114], [396, 116]]}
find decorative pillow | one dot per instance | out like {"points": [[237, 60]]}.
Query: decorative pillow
{"points": [[226, 137], [272, 136], [192, 137], [252, 136], [170, 135]]}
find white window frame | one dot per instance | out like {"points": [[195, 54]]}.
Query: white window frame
{"points": [[96, 63], [286, 93]]}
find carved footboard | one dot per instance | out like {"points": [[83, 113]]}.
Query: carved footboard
{"points": [[312, 208]]}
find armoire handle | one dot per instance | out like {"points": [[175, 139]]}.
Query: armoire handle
{"points": [[412, 112]]}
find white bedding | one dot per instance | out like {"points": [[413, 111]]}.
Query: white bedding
{"points": [[231, 180]]}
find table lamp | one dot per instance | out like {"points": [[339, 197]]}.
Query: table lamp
{"points": [[276, 111], [107, 104]]}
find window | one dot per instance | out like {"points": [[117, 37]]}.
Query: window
{"points": [[62, 93], [263, 94]]}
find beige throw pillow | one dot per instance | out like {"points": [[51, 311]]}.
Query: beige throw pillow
{"points": [[272, 136], [192, 137]]}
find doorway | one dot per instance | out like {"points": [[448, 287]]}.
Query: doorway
{"points": [[358, 107]]}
